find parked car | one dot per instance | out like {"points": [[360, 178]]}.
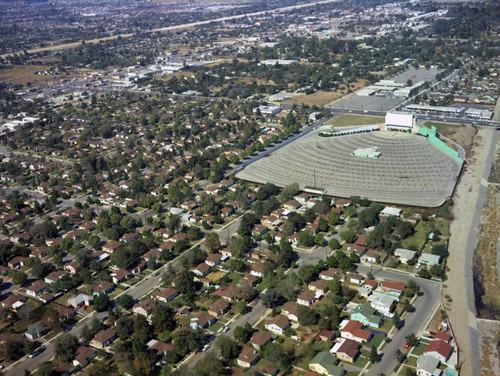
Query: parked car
{"points": [[226, 329], [206, 347], [406, 346]]}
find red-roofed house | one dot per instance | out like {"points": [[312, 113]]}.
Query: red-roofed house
{"points": [[439, 350]]}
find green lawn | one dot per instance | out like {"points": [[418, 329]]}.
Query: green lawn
{"points": [[360, 362], [419, 237], [215, 327], [419, 349], [376, 340], [443, 227], [412, 361], [346, 120], [263, 285]]}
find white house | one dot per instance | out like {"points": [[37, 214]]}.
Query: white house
{"points": [[382, 303], [278, 324], [404, 255]]}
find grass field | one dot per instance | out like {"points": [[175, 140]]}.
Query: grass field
{"points": [[346, 120], [419, 237]]}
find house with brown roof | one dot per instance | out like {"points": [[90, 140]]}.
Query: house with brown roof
{"points": [[320, 286], [110, 247], [145, 308], [278, 324], [83, 356], [159, 347], [306, 298], [37, 288], [219, 308], [17, 262], [439, 350], [104, 288], [332, 273], [327, 335], [55, 276], [260, 338], [248, 357], [291, 310], [72, 267], [213, 259], [120, 275], [104, 338], [201, 270], [165, 295], [257, 269], [353, 329], [65, 313], [393, 287], [14, 301], [229, 293], [201, 320], [292, 205], [348, 351]]}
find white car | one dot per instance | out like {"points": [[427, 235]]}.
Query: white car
{"points": [[206, 347], [226, 329]]}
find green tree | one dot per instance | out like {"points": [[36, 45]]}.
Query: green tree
{"points": [[228, 348], [212, 242], [373, 355], [348, 236], [307, 316], [101, 302], [412, 339], [163, 318], [125, 301], [271, 298], [185, 341], [243, 333], [65, 347], [396, 321], [307, 273], [334, 244], [18, 277]]}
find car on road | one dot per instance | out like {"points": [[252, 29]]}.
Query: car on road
{"points": [[206, 347], [226, 329], [406, 346], [156, 274], [36, 352]]}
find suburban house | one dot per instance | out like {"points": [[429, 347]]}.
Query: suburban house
{"points": [[439, 350], [331, 274], [201, 320], [110, 247], [291, 310], [427, 260], [80, 300], [356, 278], [260, 338], [229, 293], [145, 308], [366, 315], [353, 329], [104, 338], [427, 365], [65, 313], [201, 270], [382, 303], [257, 269], [35, 331], [165, 295], [320, 286], [120, 275], [327, 335], [404, 255], [325, 363], [104, 288], [83, 356], [277, 324], [14, 301], [306, 298], [248, 357], [213, 259], [218, 308], [37, 288], [395, 288], [348, 351], [292, 205]]}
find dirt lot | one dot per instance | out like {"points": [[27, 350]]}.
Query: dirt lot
{"points": [[462, 134], [320, 98], [487, 284], [489, 334], [22, 74]]}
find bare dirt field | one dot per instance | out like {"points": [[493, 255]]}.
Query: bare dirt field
{"points": [[489, 334], [19, 72], [459, 306], [463, 134], [320, 98]]}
